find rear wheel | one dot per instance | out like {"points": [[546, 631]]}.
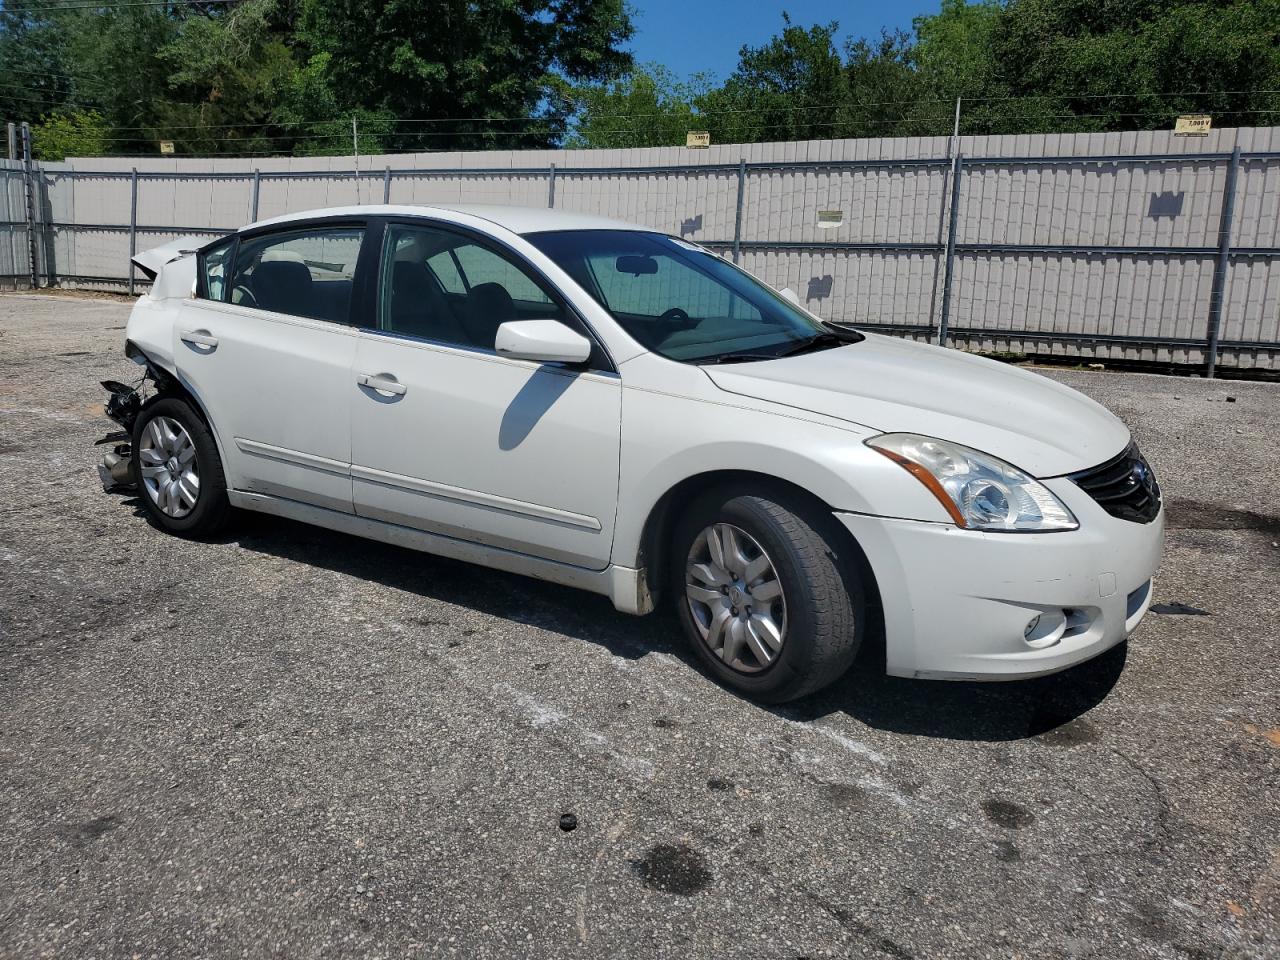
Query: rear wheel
{"points": [[177, 470], [766, 592]]}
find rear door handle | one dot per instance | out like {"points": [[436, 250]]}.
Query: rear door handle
{"points": [[201, 338], [383, 383]]}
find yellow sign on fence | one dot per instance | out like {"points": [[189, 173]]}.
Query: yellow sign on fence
{"points": [[166, 146], [1192, 126], [697, 138]]}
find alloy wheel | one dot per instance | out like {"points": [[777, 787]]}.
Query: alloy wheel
{"points": [[736, 598], [167, 462]]}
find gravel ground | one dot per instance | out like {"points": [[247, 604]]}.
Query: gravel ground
{"points": [[294, 743]]}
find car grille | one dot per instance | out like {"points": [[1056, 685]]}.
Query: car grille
{"points": [[1124, 486]]}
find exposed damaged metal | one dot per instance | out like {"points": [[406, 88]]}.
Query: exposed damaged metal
{"points": [[124, 403]]}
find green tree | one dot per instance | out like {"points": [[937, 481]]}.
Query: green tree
{"points": [[884, 92], [1137, 64], [226, 75], [288, 76], [792, 88], [481, 68], [69, 134], [115, 50], [35, 66], [644, 107]]}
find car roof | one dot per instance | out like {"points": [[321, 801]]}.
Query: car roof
{"points": [[514, 218]]}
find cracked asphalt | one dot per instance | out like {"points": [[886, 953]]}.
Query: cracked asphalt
{"points": [[294, 743]]}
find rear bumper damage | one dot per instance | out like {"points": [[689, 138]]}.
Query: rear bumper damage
{"points": [[115, 469], [122, 406]]}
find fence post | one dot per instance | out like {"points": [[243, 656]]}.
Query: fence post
{"points": [[551, 186], [386, 186], [737, 219], [12, 228], [253, 199], [133, 224], [1224, 261], [8, 203], [29, 188], [948, 269]]}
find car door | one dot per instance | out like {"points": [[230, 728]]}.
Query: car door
{"points": [[268, 344], [449, 437]]}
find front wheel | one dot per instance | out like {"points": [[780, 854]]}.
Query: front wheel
{"points": [[177, 470], [767, 593]]}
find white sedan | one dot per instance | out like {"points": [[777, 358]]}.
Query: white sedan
{"points": [[606, 406]]}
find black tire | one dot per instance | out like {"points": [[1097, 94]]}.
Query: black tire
{"points": [[212, 510], [816, 565]]}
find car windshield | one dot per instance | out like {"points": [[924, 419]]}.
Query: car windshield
{"points": [[682, 301]]}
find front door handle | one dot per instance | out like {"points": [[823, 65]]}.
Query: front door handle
{"points": [[201, 338], [382, 383]]}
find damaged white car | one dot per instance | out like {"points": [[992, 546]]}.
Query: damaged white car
{"points": [[605, 406]]}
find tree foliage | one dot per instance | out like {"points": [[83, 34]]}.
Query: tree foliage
{"points": [[289, 76], [1019, 66], [69, 134]]}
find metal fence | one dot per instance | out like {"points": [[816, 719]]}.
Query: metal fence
{"points": [[1119, 246]]}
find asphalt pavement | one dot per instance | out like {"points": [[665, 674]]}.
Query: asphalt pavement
{"points": [[293, 743]]}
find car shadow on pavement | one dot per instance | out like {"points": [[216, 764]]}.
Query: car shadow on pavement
{"points": [[494, 593], [1050, 707]]}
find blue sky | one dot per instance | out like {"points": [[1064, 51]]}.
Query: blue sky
{"points": [[691, 36]]}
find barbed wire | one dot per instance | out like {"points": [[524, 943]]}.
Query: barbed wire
{"points": [[681, 115]]}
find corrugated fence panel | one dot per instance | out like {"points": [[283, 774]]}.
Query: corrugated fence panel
{"points": [[1122, 202], [1092, 205], [875, 288], [886, 205], [693, 205]]}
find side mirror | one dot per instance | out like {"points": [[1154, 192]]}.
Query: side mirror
{"points": [[544, 341], [788, 294]]}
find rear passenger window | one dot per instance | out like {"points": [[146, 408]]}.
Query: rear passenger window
{"points": [[304, 273], [214, 268]]}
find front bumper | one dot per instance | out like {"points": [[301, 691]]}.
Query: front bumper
{"points": [[957, 603]]}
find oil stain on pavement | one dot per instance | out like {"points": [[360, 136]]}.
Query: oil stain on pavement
{"points": [[673, 868]]}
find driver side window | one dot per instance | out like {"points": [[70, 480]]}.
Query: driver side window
{"points": [[444, 286]]}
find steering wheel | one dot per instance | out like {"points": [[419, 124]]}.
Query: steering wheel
{"points": [[677, 317], [247, 299]]}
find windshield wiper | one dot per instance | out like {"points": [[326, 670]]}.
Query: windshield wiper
{"points": [[846, 330], [736, 358], [833, 337]]}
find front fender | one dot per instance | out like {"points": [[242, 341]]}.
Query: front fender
{"points": [[668, 439]]}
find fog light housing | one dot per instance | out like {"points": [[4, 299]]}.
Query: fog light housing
{"points": [[1045, 629]]}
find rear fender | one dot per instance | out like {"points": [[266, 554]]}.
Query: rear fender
{"points": [[169, 382], [152, 261]]}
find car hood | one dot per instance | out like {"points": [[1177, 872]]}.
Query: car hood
{"points": [[895, 385]]}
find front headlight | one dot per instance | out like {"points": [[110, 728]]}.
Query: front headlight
{"points": [[981, 492]]}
